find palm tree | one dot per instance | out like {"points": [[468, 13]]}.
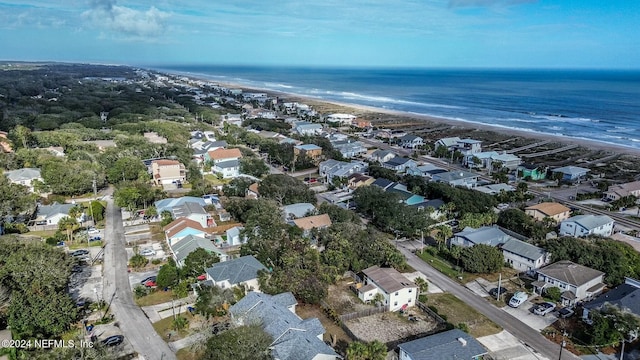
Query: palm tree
{"points": [[68, 224], [444, 232]]}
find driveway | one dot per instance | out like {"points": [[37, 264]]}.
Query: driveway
{"points": [[505, 346]]}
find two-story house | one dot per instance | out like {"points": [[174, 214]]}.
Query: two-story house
{"points": [[308, 223], [576, 282], [312, 151], [188, 244], [382, 156], [24, 176], [457, 178], [333, 168], [397, 291], [615, 192], [548, 210], [585, 225], [225, 162], [242, 271], [306, 128], [193, 211], [168, 171], [183, 227], [411, 141], [342, 119], [349, 148], [571, 173], [399, 164]]}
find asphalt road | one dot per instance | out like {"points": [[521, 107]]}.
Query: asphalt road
{"points": [[134, 324], [529, 336]]}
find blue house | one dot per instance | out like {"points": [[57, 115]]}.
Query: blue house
{"points": [[571, 173]]}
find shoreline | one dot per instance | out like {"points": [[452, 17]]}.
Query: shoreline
{"points": [[365, 111]]}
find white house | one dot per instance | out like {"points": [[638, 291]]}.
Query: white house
{"points": [[225, 162], [24, 176], [576, 282], [307, 128], [585, 225], [242, 271], [193, 211], [345, 119], [457, 178], [382, 156], [398, 291], [333, 168], [489, 159], [349, 148], [51, 214], [411, 141], [234, 236]]}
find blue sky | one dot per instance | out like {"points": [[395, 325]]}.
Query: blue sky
{"points": [[389, 33]]}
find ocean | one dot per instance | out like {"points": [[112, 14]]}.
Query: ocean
{"points": [[598, 105]]}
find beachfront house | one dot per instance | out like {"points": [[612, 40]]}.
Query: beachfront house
{"points": [[457, 178], [548, 210], [570, 173], [293, 337], [397, 291], [576, 282], [618, 191], [25, 176], [531, 172], [491, 160], [452, 344], [411, 141], [469, 146], [585, 225], [341, 119], [449, 143], [303, 128]]}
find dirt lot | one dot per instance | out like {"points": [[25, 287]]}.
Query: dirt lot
{"points": [[390, 326], [457, 312], [343, 300], [306, 311]]}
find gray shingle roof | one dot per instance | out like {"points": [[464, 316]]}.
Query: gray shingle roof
{"points": [[23, 174], [293, 338], [46, 211], [227, 164], [168, 204], [488, 235], [297, 210], [523, 249], [452, 344], [570, 272], [388, 279], [189, 244], [454, 175], [382, 183], [188, 208], [236, 271], [625, 297], [590, 221]]}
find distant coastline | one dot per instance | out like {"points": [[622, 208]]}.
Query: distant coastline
{"points": [[369, 112]]}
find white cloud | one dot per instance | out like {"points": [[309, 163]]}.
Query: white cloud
{"points": [[133, 23]]}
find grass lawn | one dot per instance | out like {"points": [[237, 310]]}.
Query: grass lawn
{"points": [[165, 326], [83, 244], [186, 354], [213, 180], [440, 264], [457, 312], [155, 298], [43, 234]]}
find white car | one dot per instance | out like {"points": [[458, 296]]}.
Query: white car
{"points": [[147, 252], [518, 298], [93, 231]]}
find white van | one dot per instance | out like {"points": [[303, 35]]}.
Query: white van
{"points": [[518, 298]]}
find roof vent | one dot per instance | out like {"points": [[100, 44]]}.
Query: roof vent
{"points": [[462, 341]]}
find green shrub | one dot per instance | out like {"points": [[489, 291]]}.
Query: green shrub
{"points": [[156, 261], [138, 261]]}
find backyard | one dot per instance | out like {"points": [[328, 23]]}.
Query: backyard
{"points": [[457, 312], [391, 326]]}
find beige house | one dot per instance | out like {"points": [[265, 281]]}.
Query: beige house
{"points": [[312, 222], [167, 171], [615, 192], [552, 210], [398, 291]]}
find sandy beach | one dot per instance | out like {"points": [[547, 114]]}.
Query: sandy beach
{"points": [[390, 118]]}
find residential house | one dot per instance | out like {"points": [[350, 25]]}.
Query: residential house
{"points": [[411, 141], [333, 168], [312, 151], [293, 337], [571, 173], [154, 138], [532, 172], [5, 145], [492, 160], [551, 210], [252, 191], [24, 176], [193, 211], [449, 143], [576, 282], [343, 119], [168, 171], [519, 254], [399, 164], [225, 162], [233, 119], [296, 211], [585, 225], [494, 189], [618, 191], [188, 244], [170, 203], [181, 228], [469, 146], [426, 170], [362, 124], [383, 183], [51, 214], [452, 344], [457, 178], [306, 128], [356, 180], [235, 237], [405, 195], [623, 297], [382, 156], [242, 271], [57, 151], [349, 148], [312, 222], [201, 148], [398, 291]]}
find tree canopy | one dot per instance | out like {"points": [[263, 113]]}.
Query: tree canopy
{"points": [[240, 343]]}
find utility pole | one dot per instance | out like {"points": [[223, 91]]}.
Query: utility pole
{"points": [[499, 287], [421, 241]]}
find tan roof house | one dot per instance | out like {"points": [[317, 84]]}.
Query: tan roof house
{"points": [[181, 227], [252, 191], [314, 152], [356, 180], [615, 192], [167, 171], [398, 291], [312, 222], [553, 210]]}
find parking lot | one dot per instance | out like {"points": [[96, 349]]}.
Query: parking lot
{"points": [[86, 284], [525, 314]]}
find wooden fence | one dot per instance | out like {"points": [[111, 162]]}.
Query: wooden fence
{"points": [[363, 313]]}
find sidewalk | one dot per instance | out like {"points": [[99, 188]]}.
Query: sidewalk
{"points": [[162, 311]]}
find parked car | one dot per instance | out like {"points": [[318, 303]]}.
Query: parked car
{"points": [[147, 252], [92, 231], [150, 283], [502, 206], [544, 308], [313, 181], [518, 298], [150, 278], [565, 312], [95, 238], [495, 291], [113, 340], [76, 269], [80, 252]]}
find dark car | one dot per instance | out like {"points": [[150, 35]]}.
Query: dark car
{"points": [[565, 312], [76, 269], [95, 238], [495, 291], [80, 252], [113, 340], [150, 278]]}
